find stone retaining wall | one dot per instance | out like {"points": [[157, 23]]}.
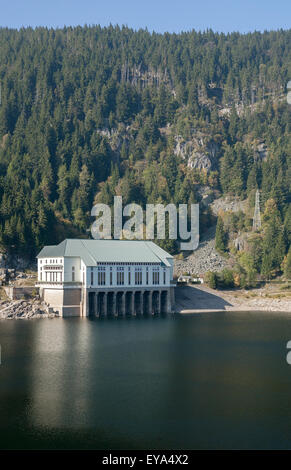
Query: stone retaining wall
{"points": [[19, 292]]}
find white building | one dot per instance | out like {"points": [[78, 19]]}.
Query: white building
{"points": [[106, 277]]}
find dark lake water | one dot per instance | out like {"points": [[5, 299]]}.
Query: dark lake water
{"points": [[210, 381]]}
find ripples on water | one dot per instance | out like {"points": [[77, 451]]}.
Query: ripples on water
{"points": [[194, 382]]}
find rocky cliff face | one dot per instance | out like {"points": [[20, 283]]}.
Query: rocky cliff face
{"points": [[114, 137], [228, 204], [261, 151], [200, 152]]}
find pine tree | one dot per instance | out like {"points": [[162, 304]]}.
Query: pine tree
{"points": [[287, 267], [106, 104], [273, 243], [287, 224], [220, 236]]}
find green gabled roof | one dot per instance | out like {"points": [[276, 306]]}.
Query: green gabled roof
{"points": [[53, 250], [104, 251]]}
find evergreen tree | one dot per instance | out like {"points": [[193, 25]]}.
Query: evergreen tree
{"points": [[287, 268], [103, 112], [220, 236]]}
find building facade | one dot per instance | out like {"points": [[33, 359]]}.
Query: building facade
{"points": [[106, 277]]}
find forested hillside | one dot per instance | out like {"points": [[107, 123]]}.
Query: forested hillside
{"points": [[87, 113]]}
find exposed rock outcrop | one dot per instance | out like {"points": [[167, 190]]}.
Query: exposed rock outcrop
{"points": [[228, 204], [200, 152], [24, 309], [204, 259]]}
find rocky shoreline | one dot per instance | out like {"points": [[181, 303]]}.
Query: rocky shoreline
{"points": [[189, 300], [199, 299], [25, 309], [264, 305]]}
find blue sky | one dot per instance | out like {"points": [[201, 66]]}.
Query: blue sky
{"points": [[157, 15]]}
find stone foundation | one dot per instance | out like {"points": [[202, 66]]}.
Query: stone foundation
{"points": [[20, 292], [66, 301], [109, 302]]}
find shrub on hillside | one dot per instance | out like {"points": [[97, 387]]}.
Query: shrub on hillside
{"points": [[211, 279], [226, 278]]}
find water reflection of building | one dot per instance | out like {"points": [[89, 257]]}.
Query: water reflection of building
{"points": [[106, 277], [59, 374]]}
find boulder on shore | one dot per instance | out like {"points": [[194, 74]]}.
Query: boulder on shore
{"points": [[23, 309]]}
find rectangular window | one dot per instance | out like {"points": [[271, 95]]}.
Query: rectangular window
{"points": [[156, 276], [129, 276], [111, 276], [138, 276], [73, 274], [147, 276], [164, 276], [120, 275], [92, 278], [101, 276]]}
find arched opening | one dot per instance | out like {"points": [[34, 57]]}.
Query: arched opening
{"points": [[128, 303], [146, 303], [110, 304], [101, 304], [164, 302], [92, 304], [138, 303], [119, 303], [156, 302]]}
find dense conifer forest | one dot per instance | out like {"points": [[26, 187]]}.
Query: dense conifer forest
{"points": [[87, 113]]}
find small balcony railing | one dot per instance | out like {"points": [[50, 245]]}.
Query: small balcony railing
{"points": [[58, 283]]}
